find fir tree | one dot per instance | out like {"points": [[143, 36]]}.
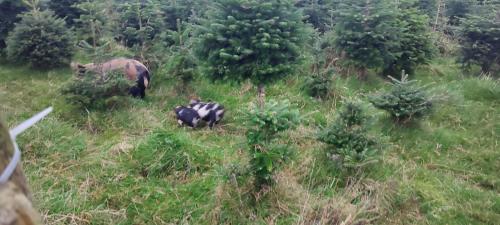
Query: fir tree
{"points": [[66, 9], [182, 63], [183, 10], [480, 42], [140, 22], [366, 32], [429, 7], [41, 39], [405, 101], [379, 34], [456, 10], [347, 138], [9, 16], [319, 83], [265, 125], [251, 39], [93, 22], [92, 91], [318, 13], [415, 46]]}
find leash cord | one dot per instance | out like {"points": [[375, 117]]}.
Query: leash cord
{"points": [[11, 167]]}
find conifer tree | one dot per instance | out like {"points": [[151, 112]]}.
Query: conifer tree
{"points": [[183, 10], [258, 40], [366, 31], [319, 83], [9, 15], [415, 46], [405, 101], [347, 139], [382, 34], [140, 21], [318, 13], [93, 22], [429, 7], [181, 63], [480, 42], [66, 9], [456, 10], [40, 39], [266, 124]]}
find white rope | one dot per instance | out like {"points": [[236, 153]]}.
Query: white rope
{"points": [[9, 170]]}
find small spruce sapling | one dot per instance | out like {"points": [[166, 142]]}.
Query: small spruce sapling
{"points": [[93, 91], [347, 138], [265, 126], [319, 84], [182, 63], [405, 101]]}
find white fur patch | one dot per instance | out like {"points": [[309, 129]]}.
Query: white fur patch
{"points": [[197, 107], [217, 114], [180, 122], [195, 122], [203, 112]]}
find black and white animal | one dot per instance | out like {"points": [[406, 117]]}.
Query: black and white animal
{"points": [[132, 69], [188, 116], [210, 112]]}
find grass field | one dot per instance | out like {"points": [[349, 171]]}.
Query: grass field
{"points": [[88, 167]]}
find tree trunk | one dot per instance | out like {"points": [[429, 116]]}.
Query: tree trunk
{"points": [[94, 41], [362, 73], [261, 95], [15, 198]]}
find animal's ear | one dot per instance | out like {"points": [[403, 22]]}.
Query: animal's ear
{"points": [[78, 68], [73, 65], [194, 101], [146, 82]]}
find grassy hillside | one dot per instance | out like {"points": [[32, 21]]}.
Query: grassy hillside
{"points": [[89, 167]]}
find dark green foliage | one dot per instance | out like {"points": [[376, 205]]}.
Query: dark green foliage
{"points": [[140, 22], [415, 47], [182, 66], [265, 124], [164, 153], [317, 12], [107, 49], [66, 9], [429, 7], [174, 10], [182, 63], [94, 91], [40, 39], [255, 39], [8, 16], [94, 22], [367, 31], [319, 84], [480, 42], [347, 138], [381, 34], [405, 101], [456, 10]]}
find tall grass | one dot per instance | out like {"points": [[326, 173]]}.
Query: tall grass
{"points": [[88, 167]]}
